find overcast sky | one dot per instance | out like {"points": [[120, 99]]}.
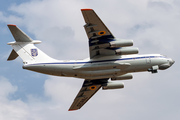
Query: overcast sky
{"points": [[154, 25]]}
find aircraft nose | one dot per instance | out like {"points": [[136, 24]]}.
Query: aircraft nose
{"points": [[169, 63], [172, 61]]}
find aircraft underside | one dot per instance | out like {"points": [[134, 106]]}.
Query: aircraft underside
{"points": [[110, 58]]}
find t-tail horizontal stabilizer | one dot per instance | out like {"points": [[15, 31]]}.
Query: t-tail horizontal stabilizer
{"points": [[13, 55], [23, 46]]}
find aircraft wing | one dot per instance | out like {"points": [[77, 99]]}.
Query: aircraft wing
{"points": [[102, 43], [89, 88], [98, 34], [94, 27]]}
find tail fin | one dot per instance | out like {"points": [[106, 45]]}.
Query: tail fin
{"points": [[24, 47]]}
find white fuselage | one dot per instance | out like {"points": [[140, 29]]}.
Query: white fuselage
{"points": [[105, 67]]}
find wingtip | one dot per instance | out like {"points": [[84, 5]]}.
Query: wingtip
{"points": [[11, 25], [86, 9], [72, 109]]}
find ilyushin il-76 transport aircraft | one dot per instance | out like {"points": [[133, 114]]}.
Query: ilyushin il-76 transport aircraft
{"points": [[110, 58]]}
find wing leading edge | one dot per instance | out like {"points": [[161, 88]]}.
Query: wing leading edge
{"points": [[89, 88]]}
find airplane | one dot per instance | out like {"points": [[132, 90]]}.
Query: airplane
{"points": [[110, 58]]}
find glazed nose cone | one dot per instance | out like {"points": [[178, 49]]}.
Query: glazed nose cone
{"points": [[172, 61]]}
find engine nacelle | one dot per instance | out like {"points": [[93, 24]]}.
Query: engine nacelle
{"points": [[123, 77], [113, 85], [115, 44], [121, 43], [127, 51]]}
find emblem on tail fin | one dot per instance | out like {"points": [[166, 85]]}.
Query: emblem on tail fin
{"points": [[34, 52]]}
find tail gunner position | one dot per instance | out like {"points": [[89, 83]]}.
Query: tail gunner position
{"points": [[110, 58]]}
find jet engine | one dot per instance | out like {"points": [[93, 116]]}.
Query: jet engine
{"points": [[113, 85], [115, 44], [121, 43], [123, 77], [126, 51]]}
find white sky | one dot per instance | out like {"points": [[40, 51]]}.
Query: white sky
{"points": [[154, 25]]}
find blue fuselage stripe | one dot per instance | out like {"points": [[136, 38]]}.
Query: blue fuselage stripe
{"points": [[103, 60]]}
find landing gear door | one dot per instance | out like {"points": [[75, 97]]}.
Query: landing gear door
{"points": [[148, 60]]}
